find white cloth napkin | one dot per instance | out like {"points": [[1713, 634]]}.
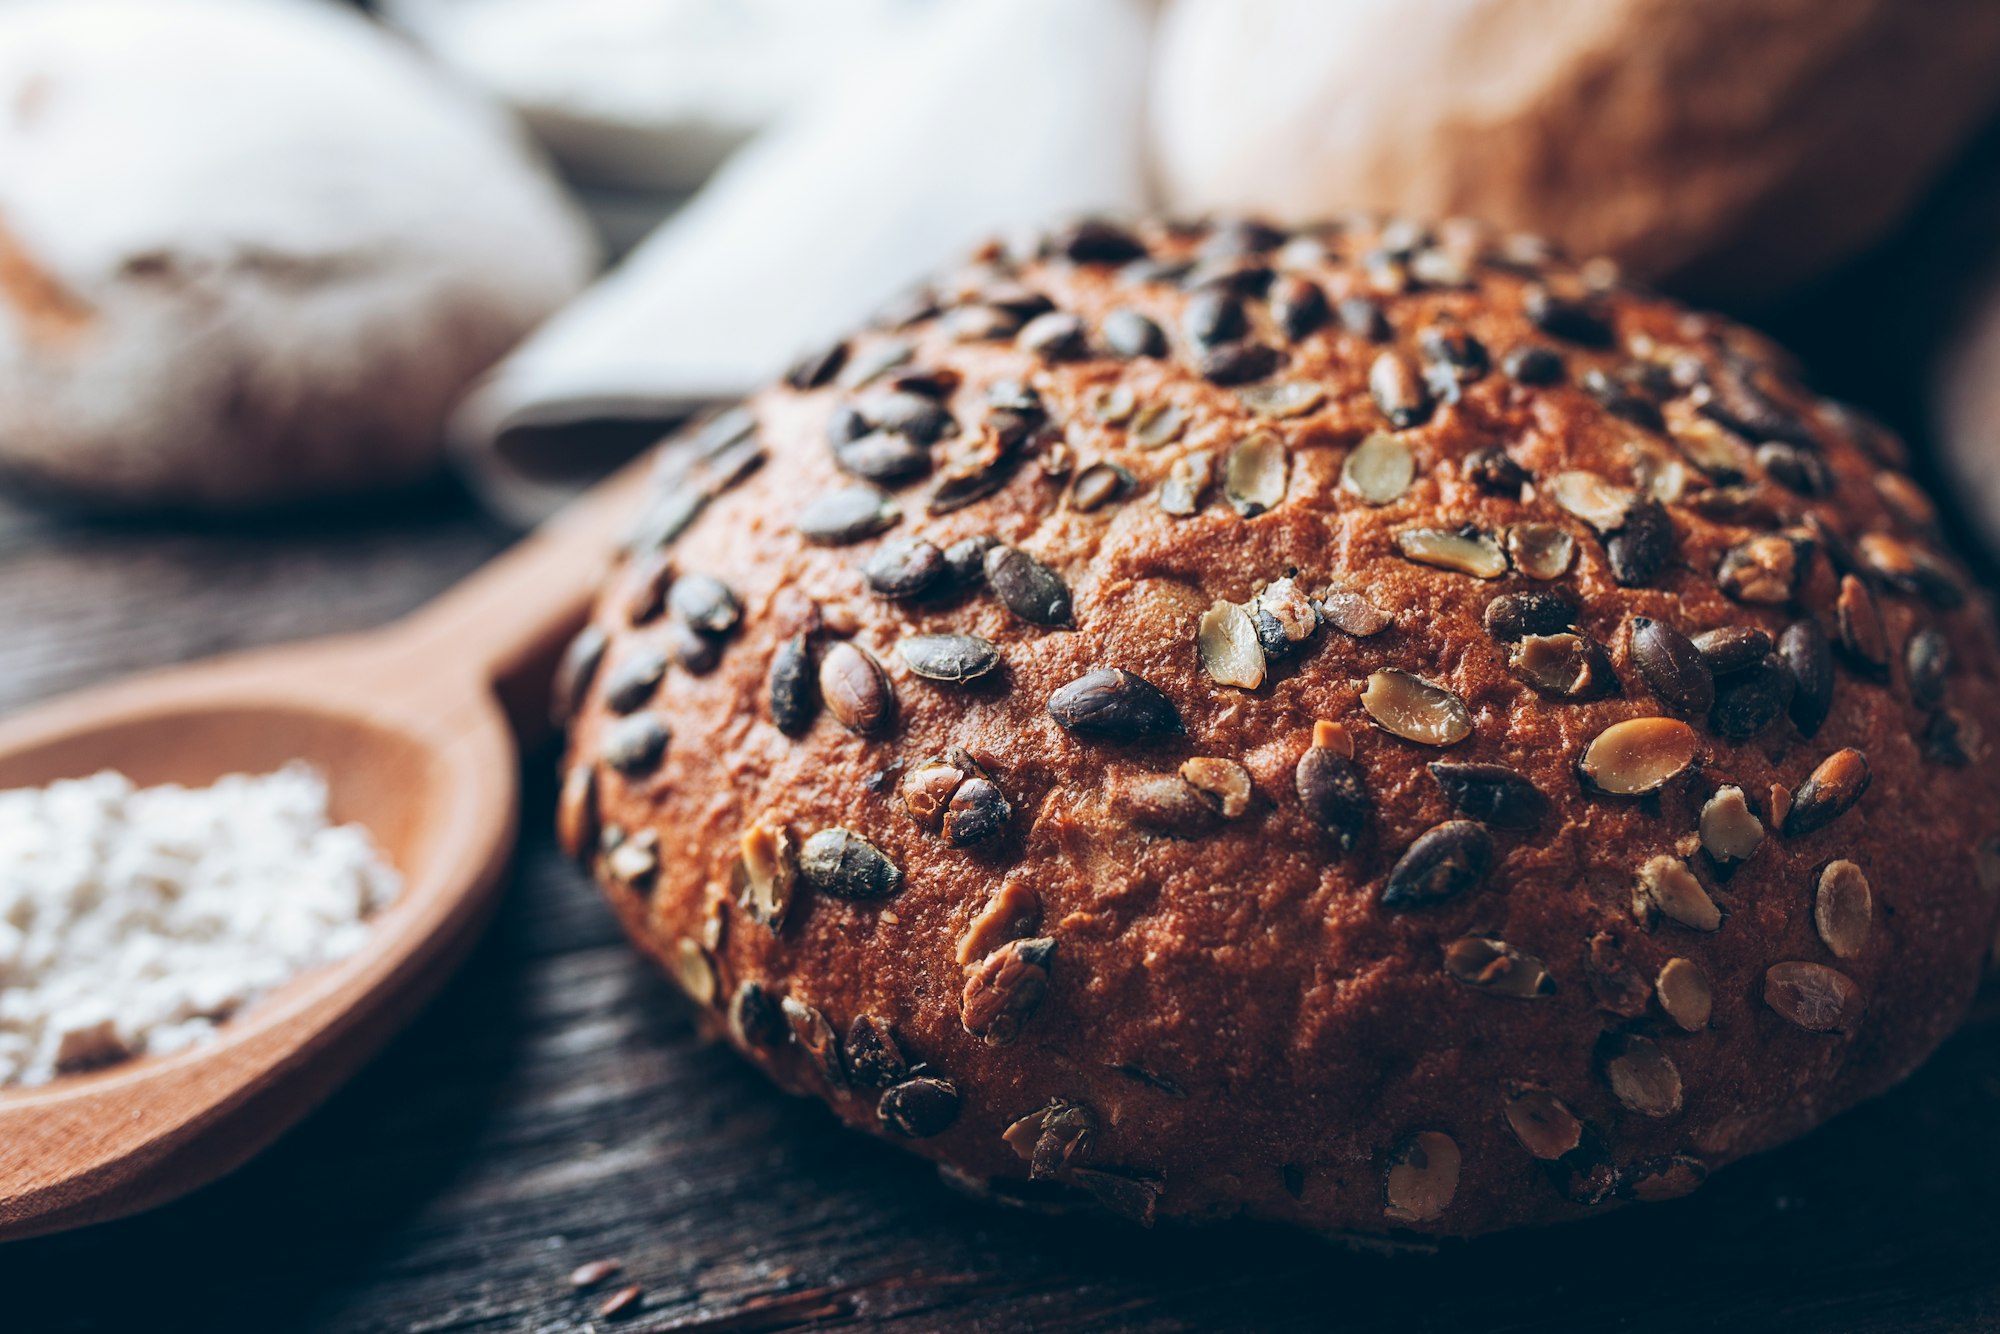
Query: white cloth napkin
{"points": [[988, 116]]}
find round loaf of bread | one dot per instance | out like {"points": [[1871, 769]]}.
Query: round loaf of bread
{"points": [[1378, 727]]}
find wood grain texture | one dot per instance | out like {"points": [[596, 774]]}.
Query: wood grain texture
{"points": [[555, 1106]]}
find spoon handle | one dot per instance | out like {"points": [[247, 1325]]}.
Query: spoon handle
{"points": [[508, 622]]}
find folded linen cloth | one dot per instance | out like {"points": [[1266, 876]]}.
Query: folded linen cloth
{"points": [[987, 116]]}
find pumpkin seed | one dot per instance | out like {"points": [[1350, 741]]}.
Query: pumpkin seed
{"points": [[1362, 316], [1332, 793], [1298, 306], [978, 810], [1493, 472], [919, 1108], [903, 568], [1129, 334], [1187, 480], [1227, 642], [1862, 633], [813, 1035], [1685, 994], [1672, 666], [1284, 398], [1423, 1178], [1352, 614], [1667, 888], [1238, 363], [756, 1020], [705, 604], [1415, 709], [770, 872], [841, 863], [1398, 391], [1816, 998], [1463, 550], [1054, 336], [1498, 968], [953, 658], [1763, 570], [1567, 665], [1253, 474], [1732, 648], [1114, 405], [1927, 661], [1804, 650], [632, 682], [1213, 315], [1114, 705], [1827, 794], [1644, 1079], [1225, 783], [794, 687], [1285, 617], [1004, 990], [634, 746], [1729, 831], [633, 862], [1532, 364], [1097, 486], [1026, 587], [1640, 547], [850, 514], [1750, 700], [1157, 424], [874, 1058], [1591, 498], [1442, 863], [694, 970], [1560, 317], [1842, 908], [886, 457], [1492, 794], [1637, 756], [856, 690], [1514, 616], [1546, 1128], [1379, 469], [1541, 550]]}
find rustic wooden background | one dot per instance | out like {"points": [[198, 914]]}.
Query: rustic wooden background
{"points": [[555, 1107]]}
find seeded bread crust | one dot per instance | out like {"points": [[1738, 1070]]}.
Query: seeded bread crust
{"points": [[1300, 979]]}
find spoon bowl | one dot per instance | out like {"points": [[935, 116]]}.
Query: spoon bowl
{"points": [[415, 729]]}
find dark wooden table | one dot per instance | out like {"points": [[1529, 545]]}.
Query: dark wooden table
{"points": [[555, 1107]]}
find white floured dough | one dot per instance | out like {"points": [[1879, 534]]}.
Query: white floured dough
{"points": [[251, 249]]}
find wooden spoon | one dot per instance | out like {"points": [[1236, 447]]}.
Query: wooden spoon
{"points": [[415, 727]]}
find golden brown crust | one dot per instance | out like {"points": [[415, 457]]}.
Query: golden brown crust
{"points": [[1115, 936]]}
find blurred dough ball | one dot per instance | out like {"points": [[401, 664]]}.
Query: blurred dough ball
{"points": [[1736, 146], [251, 250]]}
